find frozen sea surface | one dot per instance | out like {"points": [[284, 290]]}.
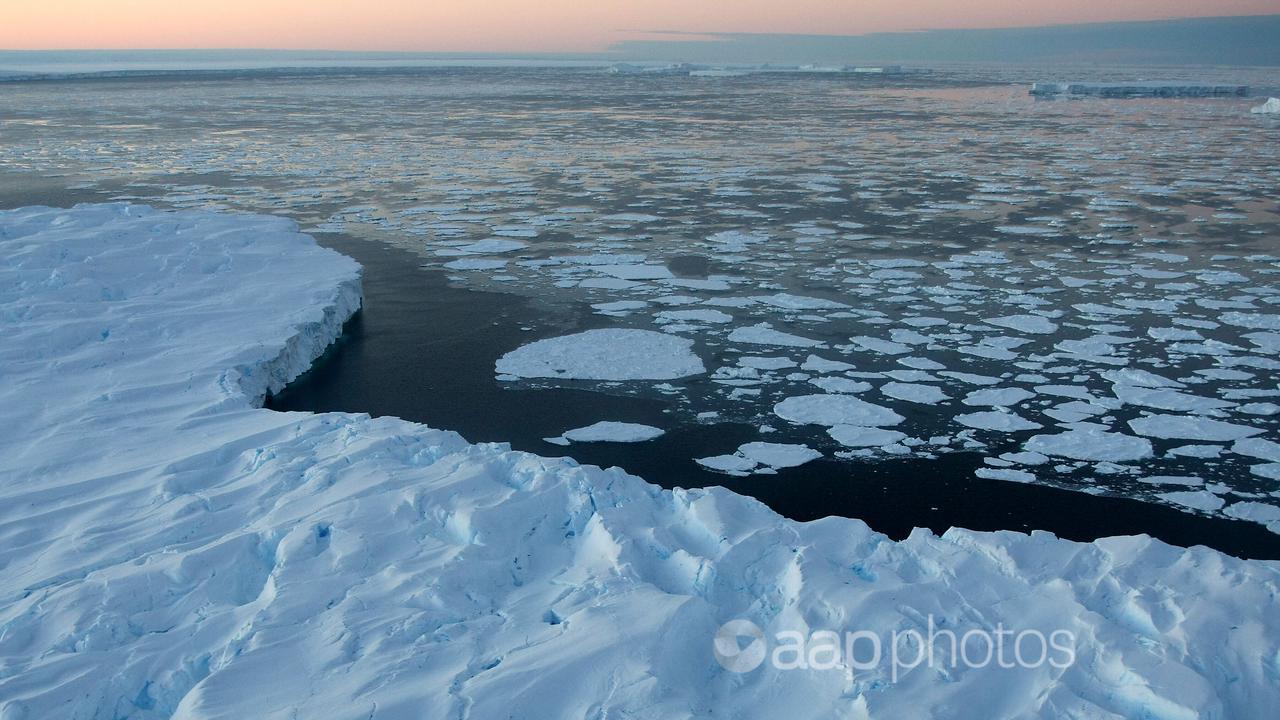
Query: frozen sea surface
{"points": [[223, 560], [1108, 262]]}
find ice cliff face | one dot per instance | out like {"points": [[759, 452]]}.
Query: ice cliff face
{"points": [[170, 550]]}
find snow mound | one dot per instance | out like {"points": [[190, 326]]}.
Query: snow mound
{"points": [[224, 561], [613, 354]]}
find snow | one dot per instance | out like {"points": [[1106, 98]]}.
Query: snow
{"points": [[173, 550], [610, 431], [612, 354]]}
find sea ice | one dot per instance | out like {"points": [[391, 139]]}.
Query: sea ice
{"points": [[613, 354], [1091, 444], [1006, 474], [763, 334], [1194, 499], [997, 421], [1001, 397], [1186, 427], [610, 431], [857, 436], [778, 455], [832, 410], [1034, 324], [222, 560], [916, 393]]}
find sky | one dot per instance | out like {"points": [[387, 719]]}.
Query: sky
{"points": [[530, 26]]}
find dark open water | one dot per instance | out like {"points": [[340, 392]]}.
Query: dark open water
{"points": [[411, 354]]}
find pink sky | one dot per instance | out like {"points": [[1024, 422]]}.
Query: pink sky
{"points": [[528, 25]]}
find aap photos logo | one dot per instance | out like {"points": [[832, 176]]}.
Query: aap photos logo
{"points": [[740, 646]]}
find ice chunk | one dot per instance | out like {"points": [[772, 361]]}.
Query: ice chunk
{"points": [[609, 431], [911, 392], [1194, 499], [1091, 444], [1034, 324], [764, 334], [787, 301], [613, 354], [475, 264], [1270, 107], [997, 421], [858, 436], [778, 455], [1006, 474], [706, 315], [1258, 448], [732, 464], [1165, 399], [1001, 397], [822, 365], [1185, 427], [832, 410]]}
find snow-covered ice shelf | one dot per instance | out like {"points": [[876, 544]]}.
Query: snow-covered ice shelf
{"points": [[171, 550]]}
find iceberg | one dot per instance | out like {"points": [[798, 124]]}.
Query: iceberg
{"points": [[1270, 107], [174, 550]]}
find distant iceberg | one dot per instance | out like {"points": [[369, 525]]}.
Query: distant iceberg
{"points": [[1270, 107]]}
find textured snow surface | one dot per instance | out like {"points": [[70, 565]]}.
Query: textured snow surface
{"points": [[170, 550], [613, 354]]}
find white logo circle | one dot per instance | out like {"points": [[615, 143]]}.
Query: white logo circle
{"points": [[730, 652]]}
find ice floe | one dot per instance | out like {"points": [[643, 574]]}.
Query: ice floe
{"points": [[832, 410], [612, 431], [1091, 444], [612, 354]]}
